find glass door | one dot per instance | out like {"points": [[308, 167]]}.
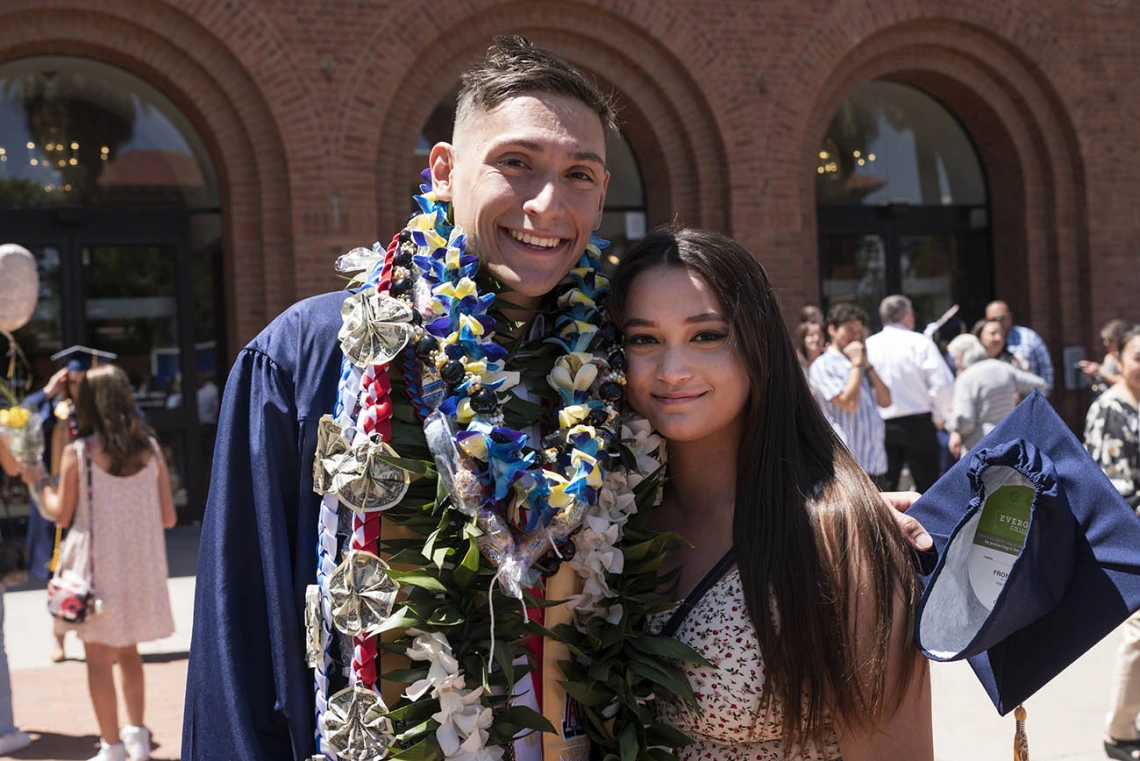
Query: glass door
{"points": [[853, 268], [131, 308], [935, 256], [123, 281]]}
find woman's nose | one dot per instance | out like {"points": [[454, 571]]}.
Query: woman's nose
{"points": [[675, 365]]}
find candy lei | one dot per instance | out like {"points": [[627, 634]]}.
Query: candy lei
{"points": [[421, 297]]}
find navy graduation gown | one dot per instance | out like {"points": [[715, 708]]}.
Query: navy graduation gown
{"points": [[249, 694]]}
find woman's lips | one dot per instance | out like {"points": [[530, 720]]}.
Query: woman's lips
{"points": [[678, 399]]}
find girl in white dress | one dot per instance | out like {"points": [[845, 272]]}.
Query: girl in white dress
{"points": [[803, 585], [114, 494]]}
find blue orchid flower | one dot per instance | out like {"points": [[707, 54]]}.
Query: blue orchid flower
{"points": [[505, 460]]}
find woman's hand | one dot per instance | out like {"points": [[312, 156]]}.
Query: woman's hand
{"points": [[31, 474], [899, 501], [57, 383], [955, 445]]}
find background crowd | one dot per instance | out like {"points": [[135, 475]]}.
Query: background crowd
{"points": [[900, 398]]}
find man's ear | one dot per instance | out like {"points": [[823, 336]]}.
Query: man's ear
{"points": [[442, 162], [602, 201]]}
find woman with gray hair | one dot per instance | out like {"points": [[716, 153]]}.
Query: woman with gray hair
{"points": [[985, 391]]}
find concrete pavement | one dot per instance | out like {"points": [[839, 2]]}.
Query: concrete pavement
{"points": [[51, 700]]}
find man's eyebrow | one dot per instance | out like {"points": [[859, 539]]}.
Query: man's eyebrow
{"points": [[641, 322], [534, 147]]}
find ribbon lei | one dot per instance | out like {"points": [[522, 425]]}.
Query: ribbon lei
{"points": [[375, 417]]}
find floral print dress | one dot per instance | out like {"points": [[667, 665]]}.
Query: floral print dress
{"points": [[1112, 437], [733, 721]]}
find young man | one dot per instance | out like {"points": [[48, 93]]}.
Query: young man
{"points": [[921, 387], [526, 177], [1023, 342], [850, 390]]}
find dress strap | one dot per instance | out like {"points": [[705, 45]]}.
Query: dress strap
{"points": [[707, 583]]}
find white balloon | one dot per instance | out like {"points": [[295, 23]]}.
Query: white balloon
{"points": [[19, 286]]}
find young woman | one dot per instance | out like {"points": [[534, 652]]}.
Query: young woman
{"points": [[992, 335], [1112, 437], [804, 584], [114, 493], [1106, 372], [809, 342]]}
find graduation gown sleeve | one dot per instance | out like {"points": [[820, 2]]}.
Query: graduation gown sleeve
{"points": [[249, 694]]}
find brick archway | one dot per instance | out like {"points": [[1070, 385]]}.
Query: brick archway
{"points": [[665, 118], [1028, 148], [212, 89]]}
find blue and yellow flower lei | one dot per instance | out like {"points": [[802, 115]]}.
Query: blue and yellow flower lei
{"points": [[527, 500]]}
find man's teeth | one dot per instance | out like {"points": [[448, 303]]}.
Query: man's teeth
{"points": [[532, 240]]}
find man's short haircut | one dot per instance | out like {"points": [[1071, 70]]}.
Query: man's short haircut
{"points": [[893, 309], [845, 312], [513, 67]]}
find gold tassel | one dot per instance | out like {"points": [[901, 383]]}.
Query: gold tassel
{"points": [[55, 550], [1020, 739]]}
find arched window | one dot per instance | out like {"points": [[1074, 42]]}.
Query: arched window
{"points": [[75, 132], [902, 205], [623, 219], [108, 183]]}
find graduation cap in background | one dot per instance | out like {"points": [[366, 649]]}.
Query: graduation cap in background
{"points": [[80, 358], [1038, 556]]}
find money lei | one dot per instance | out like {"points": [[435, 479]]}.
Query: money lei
{"points": [[420, 298]]}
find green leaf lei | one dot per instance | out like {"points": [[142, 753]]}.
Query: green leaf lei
{"points": [[448, 584]]}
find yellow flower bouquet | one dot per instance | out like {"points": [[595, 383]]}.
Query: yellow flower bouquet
{"points": [[21, 429]]}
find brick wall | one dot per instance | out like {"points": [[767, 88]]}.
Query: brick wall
{"points": [[312, 109]]}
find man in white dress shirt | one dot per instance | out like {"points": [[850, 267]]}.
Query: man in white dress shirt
{"points": [[921, 391]]}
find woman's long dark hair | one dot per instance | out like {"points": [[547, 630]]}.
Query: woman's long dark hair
{"points": [[806, 519], [106, 407]]}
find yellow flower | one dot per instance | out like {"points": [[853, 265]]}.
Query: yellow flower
{"points": [[579, 458], [569, 416], [573, 372], [576, 297], [476, 446], [464, 412], [471, 323], [558, 498], [16, 417], [464, 288]]}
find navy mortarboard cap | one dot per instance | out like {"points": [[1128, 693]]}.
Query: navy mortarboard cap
{"points": [[1038, 556], [82, 358]]}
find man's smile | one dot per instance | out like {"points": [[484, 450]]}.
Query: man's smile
{"points": [[535, 242]]}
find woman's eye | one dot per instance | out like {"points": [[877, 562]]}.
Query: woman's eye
{"points": [[639, 340], [709, 336]]}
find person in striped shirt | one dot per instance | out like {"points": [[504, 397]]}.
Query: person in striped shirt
{"points": [[849, 390]]}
